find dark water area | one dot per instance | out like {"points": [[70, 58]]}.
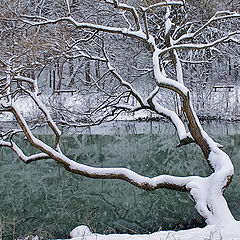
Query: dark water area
{"points": [[43, 198]]}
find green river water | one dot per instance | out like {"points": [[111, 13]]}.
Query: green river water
{"points": [[43, 198]]}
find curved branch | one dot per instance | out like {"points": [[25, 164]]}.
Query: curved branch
{"points": [[195, 128], [44, 110], [163, 181], [173, 117], [5, 143], [124, 31], [28, 159]]}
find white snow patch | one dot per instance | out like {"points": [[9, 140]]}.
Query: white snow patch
{"points": [[6, 116], [80, 231]]}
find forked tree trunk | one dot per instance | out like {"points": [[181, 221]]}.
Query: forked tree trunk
{"points": [[208, 193]]}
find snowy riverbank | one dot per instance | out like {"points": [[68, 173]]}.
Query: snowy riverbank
{"points": [[32, 114], [207, 233]]}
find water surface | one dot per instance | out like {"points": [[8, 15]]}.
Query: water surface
{"points": [[43, 198]]}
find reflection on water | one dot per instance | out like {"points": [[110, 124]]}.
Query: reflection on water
{"points": [[43, 198]]}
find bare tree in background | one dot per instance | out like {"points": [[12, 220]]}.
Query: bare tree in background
{"points": [[148, 37]]}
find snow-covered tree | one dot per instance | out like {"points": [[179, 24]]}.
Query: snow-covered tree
{"points": [[121, 56]]}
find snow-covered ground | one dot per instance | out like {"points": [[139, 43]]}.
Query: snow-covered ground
{"points": [[221, 104], [207, 233]]}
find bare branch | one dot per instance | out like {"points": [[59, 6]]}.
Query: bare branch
{"points": [[145, 24], [126, 8]]}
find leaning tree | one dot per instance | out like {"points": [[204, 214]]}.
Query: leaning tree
{"points": [[133, 44]]}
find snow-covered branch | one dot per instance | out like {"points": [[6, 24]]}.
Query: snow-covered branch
{"points": [[5, 144], [82, 25], [198, 46], [41, 106], [163, 4], [27, 159], [219, 16], [163, 181]]}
